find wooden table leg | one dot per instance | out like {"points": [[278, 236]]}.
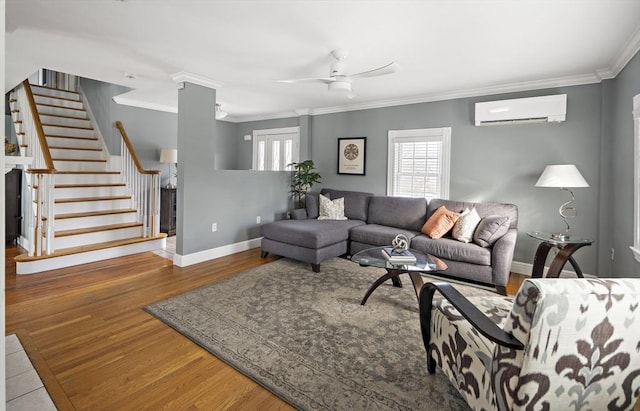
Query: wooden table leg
{"points": [[561, 259], [390, 274], [540, 259]]}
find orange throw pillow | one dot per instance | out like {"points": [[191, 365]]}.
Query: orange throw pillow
{"points": [[440, 222]]}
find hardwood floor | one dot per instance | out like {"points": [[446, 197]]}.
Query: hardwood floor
{"points": [[96, 349]]}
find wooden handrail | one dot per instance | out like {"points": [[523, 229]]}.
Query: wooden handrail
{"points": [[134, 156], [46, 154]]}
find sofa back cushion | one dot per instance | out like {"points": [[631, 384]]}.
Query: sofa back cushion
{"points": [[401, 212], [483, 209], [313, 205], [356, 203]]}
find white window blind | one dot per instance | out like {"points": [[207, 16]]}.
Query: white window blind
{"points": [[274, 149], [418, 163]]}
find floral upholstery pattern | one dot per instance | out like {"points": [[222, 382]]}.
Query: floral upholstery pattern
{"points": [[581, 347]]}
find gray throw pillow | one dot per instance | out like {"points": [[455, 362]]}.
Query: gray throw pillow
{"points": [[490, 229], [312, 205]]}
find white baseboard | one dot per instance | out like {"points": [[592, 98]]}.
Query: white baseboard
{"points": [[206, 255], [526, 269]]}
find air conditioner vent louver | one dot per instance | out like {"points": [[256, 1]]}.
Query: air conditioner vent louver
{"points": [[522, 111]]}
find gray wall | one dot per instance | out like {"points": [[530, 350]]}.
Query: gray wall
{"points": [[499, 163], [626, 86]]}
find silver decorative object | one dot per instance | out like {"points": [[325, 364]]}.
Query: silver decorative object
{"points": [[400, 243]]}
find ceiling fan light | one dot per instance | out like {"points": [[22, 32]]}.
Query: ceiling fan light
{"points": [[340, 86]]}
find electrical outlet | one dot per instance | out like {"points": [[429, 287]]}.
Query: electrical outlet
{"points": [[214, 227], [613, 253], [258, 220]]}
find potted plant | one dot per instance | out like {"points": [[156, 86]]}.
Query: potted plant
{"points": [[304, 177]]}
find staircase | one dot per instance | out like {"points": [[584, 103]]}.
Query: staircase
{"points": [[94, 207]]}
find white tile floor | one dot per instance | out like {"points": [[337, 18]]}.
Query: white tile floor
{"points": [[25, 390]]}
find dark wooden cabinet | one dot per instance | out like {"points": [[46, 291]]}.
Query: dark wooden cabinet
{"points": [[168, 211], [13, 204]]}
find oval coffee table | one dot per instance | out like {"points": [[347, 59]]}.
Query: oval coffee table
{"points": [[372, 257]]}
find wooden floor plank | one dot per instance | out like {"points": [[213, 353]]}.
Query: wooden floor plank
{"points": [[96, 349]]}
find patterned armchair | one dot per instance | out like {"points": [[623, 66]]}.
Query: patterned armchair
{"points": [[559, 344]]}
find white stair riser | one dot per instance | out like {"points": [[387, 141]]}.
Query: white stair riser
{"points": [[80, 166], [58, 102], [57, 153], [94, 221], [19, 127], [86, 206], [55, 93], [65, 121], [87, 178], [63, 131], [98, 237], [77, 192], [62, 111], [72, 142], [32, 267]]}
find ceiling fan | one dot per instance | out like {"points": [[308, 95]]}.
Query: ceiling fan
{"points": [[339, 80]]}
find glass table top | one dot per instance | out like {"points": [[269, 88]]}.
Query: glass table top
{"points": [[554, 239], [373, 257]]}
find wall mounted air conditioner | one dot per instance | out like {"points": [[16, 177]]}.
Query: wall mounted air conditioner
{"points": [[522, 110]]}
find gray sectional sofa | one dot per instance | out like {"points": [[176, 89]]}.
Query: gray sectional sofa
{"points": [[375, 221]]}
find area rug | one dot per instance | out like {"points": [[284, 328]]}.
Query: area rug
{"points": [[305, 337]]}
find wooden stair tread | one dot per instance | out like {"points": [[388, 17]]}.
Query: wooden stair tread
{"points": [[81, 199], [89, 230], [58, 106], [56, 97], [63, 116], [87, 185], [87, 172], [66, 126], [73, 137], [74, 148], [95, 213], [86, 160], [86, 248]]}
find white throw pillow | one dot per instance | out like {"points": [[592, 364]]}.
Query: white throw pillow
{"points": [[331, 209], [465, 226]]}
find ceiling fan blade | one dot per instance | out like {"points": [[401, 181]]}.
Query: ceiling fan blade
{"points": [[380, 71], [309, 80]]}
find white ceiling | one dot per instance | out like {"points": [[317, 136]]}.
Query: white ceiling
{"points": [[445, 48]]}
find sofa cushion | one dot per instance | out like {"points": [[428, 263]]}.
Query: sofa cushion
{"points": [[309, 233], [440, 222], [378, 235], [356, 203], [312, 205], [451, 249], [466, 225], [331, 209], [490, 229], [483, 209], [401, 212]]}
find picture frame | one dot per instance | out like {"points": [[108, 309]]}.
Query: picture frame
{"points": [[352, 155]]}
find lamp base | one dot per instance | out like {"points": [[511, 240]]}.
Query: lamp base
{"points": [[171, 186], [560, 236]]}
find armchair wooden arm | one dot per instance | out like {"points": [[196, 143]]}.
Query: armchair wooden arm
{"points": [[476, 318]]}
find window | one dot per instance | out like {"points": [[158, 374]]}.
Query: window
{"points": [[418, 164], [635, 248], [274, 149]]}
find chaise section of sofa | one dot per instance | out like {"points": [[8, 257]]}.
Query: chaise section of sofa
{"points": [[305, 238]]}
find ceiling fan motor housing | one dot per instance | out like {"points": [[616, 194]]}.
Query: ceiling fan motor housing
{"points": [[340, 85]]}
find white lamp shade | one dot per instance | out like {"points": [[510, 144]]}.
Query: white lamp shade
{"points": [[169, 155], [563, 175]]}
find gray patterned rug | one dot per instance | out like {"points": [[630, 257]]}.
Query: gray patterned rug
{"points": [[306, 338]]}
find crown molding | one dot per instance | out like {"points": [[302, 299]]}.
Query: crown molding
{"points": [[183, 76], [144, 104], [628, 51]]}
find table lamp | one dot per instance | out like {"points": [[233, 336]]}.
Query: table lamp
{"points": [[564, 177], [169, 155]]}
